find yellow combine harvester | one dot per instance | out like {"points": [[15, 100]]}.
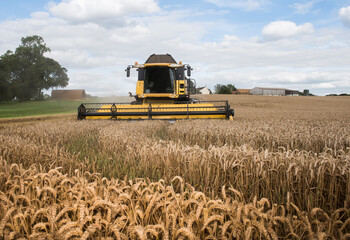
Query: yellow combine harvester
{"points": [[162, 92]]}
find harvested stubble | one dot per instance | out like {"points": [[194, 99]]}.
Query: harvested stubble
{"points": [[39, 205]]}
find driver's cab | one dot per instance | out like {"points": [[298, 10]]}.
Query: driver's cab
{"points": [[161, 77]]}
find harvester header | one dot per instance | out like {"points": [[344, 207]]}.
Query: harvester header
{"points": [[162, 92]]}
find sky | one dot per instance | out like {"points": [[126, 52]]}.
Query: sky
{"points": [[301, 44]]}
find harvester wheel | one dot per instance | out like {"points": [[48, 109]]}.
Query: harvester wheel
{"points": [[232, 112]]}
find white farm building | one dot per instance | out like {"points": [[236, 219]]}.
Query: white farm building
{"points": [[274, 92], [203, 90]]}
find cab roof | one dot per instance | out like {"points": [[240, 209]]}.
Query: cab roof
{"points": [[160, 58]]}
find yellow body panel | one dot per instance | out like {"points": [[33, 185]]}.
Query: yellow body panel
{"points": [[139, 88], [181, 87], [181, 109], [157, 95], [177, 117]]}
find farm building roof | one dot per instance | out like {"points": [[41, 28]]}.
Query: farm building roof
{"points": [[275, 88], [243, 90], [68, 94]]}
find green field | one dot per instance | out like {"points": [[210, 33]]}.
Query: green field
{"points": [[35, 108], [49, 107]]}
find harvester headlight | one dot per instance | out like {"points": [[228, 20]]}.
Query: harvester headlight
{"points": [[175, 65]]}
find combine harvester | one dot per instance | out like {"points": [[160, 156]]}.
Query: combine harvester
{"points": [[162, 93]]}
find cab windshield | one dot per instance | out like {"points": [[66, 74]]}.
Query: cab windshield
{"points": [[159, 80]]}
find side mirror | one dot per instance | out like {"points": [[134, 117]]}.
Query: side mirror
{"points": [[189, 70], [127, 71], [192, 85]]}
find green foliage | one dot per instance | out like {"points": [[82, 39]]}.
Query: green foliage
{"points": [[7, 63], [342, 94], [224, 89], [26, 72], [231, 87]]}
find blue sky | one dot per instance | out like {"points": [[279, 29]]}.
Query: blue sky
{"points": [[321, 12], [293, 44], [12, 9]]}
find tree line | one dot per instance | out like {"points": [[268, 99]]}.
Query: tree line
{"points": [[224, 89], [26, 72]]}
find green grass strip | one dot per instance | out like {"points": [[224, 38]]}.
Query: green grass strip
{"points": [[35, 108]]}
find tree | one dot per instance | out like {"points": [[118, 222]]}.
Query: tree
{"points": [[26, 72], [231, 87], [224, 89], [7, 63]]}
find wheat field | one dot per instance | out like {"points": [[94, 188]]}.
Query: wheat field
{"points": [[280, 170]]}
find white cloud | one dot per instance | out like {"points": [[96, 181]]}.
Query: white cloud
{"points": [[285, 29], [229, 39], [323, 85], [248, 5], [39, 15], [100, 10], [344, 14], [303, 8]]}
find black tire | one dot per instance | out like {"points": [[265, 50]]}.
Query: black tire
{"points": [[232, 112]]}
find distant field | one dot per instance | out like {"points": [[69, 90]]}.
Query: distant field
{"points": [[37, 108], [248, 106]]}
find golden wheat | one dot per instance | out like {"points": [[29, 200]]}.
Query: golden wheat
{"points": [[271, 173], [68, 215]]}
